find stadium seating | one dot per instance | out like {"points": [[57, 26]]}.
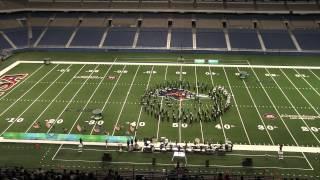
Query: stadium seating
{"points": [[50, 37], [88, 36], [211, 38], [244, 39], [308, 39], [120, 36], [153, 37], [277, 39], [19, 36], [181, 38], [4, 43]]}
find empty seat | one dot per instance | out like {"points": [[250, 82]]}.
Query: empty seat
{"points": [[277, 39], [88, 36], [56, 36], [211, 38], [181, 38], [244, 39], [4, 43], [153, 37], [308, 39], [120, 36]]}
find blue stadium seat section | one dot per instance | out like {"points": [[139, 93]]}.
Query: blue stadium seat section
{"points": [[36, 31], [308, 39], [19, 36], [120, 36], [211, 38], [50, 37], [277, 39], [153, 37], [4, 43], [88, 36], [181, 38], [244, 39]]}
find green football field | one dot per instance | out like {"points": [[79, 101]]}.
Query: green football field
{"points": [[273, 105]]}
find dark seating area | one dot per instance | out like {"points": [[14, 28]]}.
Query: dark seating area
{"points": [[244, 39], [50, 37], [120, 36], [4, 43], [277, 39], [181, 38], [211, 38], [19, 36], [153, 37], [308, 39], [88, 36]]}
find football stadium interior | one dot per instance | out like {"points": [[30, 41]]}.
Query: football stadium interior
{"points": [[160, 89]]}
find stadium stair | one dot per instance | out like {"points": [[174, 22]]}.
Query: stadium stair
{"points": [[104, 37], [136, 37], [226, 35], [43, 32], [294, 40], [261, 40], [8, 40], [194, 38], [169, 38], [73, 35]]}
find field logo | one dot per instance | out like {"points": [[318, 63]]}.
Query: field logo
{"points": [[111, 77], [9, 81], [270, 116]]}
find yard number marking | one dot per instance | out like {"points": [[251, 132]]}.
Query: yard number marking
{"points": [[12, 120]]}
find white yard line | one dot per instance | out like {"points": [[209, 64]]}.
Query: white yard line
{"points": [[180, 106], [284, 94], [177, 64], [137, 124], [125, 100], [53, 100], [300, 92], [258, 112], [221, 122], [158, 127], [308, 83], [75, 94], [106, 102], [93, 93], [314, 74], [28, 90], [44, 91], [196, 76], [279, 115], [235, 101], [24, 80]]}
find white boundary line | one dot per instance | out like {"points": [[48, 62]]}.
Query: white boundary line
{"points": [[271, 101], [196, 76], [158, 127], [28, 90], [8, 68], [40, 115], [258, 112], [176, 64], [235, 101], [137, 124], [220, 118], [30, 105], [180, 106], [125, 100]]}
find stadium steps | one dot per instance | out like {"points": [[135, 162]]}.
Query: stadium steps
{"points": [[104, 36], [8, 40], [43, 32], [226, 35], [294, 40], [169, 38], [73, 35], [194, 38], [261, 40], [136, 37]]}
